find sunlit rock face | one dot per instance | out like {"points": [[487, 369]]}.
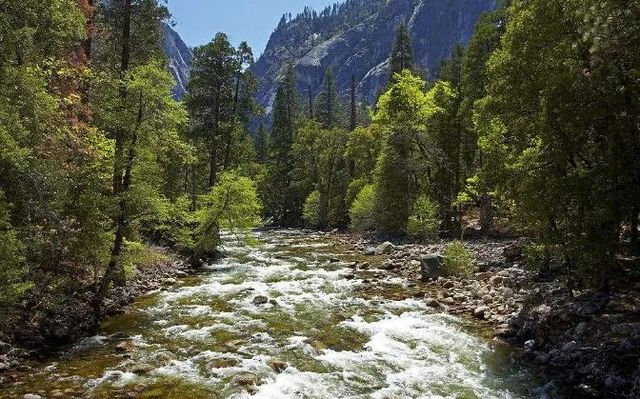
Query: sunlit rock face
{"points": [[356, 39], [180, 57]]}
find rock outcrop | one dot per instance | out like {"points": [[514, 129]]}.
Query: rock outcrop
{"points": [[180, 57], [355, 38]]}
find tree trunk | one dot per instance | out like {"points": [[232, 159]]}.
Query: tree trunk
{"points": [[120, 184], [633, 226]]}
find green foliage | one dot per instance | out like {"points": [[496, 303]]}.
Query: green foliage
{"points": [[311, 211], [458, 261], [13, 282], [233, 205], [425, 218], [363, 210]]}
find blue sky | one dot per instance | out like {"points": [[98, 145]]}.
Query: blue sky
{"points": [[250, 20]]}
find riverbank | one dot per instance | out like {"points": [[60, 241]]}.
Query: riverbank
{"points": [[586, 342], [44, 331]]}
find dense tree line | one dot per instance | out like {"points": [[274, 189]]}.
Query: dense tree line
{"points": [[98, 160], [535, 122]]}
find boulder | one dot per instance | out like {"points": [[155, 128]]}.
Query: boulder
{"points": [[141, 369], [431, 267], [247, 380], [385, 248], [481, 312], [260, 300], [278, 365], [432, 302], [124, 347], [31, 396]]}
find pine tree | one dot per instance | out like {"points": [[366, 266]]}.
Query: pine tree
{"points": [[402, 53], [262, 144], [210, 100], [353, 115], [327, 104], [283, 202]]}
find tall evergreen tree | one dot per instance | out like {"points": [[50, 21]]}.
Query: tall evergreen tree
{"points": [[327, 105], [210, 100], [353, 114], [283, 200], [402, 53]]}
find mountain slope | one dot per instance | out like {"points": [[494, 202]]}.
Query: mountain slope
{"points": [[180, 57], [355, 38]]}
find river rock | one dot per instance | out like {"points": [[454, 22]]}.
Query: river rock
{"points": [[141, 369], [31, 396], [626, 329], [432, 302], [278, 365], [385, 248], [223, 363], [370, 251], [481, 312], [247, 381], [4, 348], [431, 267], [124, 347], [260, 300]]}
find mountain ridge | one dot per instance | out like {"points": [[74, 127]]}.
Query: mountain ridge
{"points": [[355, 38]]}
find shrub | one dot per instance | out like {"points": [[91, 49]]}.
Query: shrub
{"points": [[458, 261], [311, 210], [424, 220], [362, 211], [232, 204]]}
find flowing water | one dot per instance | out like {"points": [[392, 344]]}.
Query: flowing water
{"points": [[330, 335]]}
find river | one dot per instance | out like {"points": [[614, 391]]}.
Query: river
{"points": [[327, 332]]}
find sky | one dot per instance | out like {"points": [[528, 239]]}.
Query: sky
{"points": [[243, 20]]}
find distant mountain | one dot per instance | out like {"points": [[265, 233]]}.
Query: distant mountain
{"points": [[356, 37], [180, 57]]}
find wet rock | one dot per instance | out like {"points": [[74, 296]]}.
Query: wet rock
{"points": [[581, 329], [530, 344], [626, 329], [334, 260], [431, 267], [4, 366], [260, 300], [247, 381], [448, 284], [370, 251], [277, 365], [497, 280], [141, 369], [4, 348], [124, 347], [570, 346], [449, 301], [223, 363], [273, 302], [615, 382], [170, 281], [384, 248], [481, 312], [318, 346], [365, 266], [432, 302]]}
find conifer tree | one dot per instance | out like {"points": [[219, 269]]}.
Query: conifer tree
{"points": [[283, 201], [328, 107], [402, 53]]}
